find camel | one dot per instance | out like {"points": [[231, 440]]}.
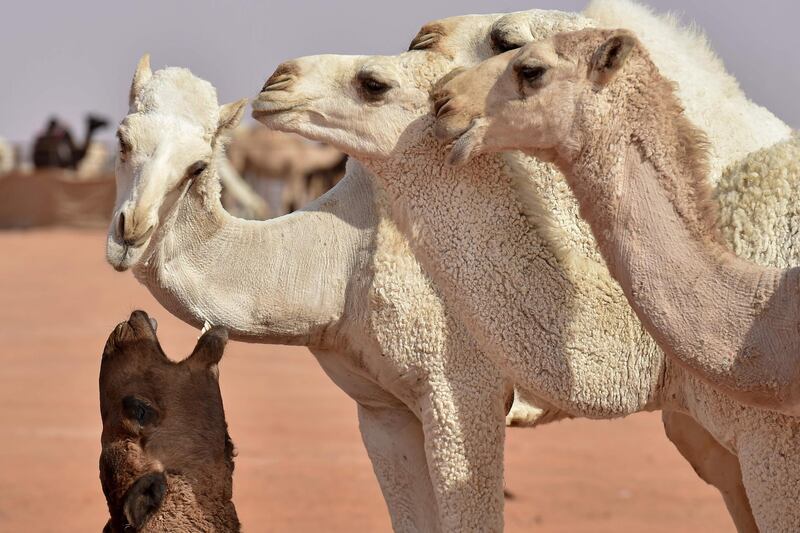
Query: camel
{"points": [[55, 147], [735, 325], [93, 124], [430, 411], [278, 165], [379, 328], [167, 460], [95, 161], [563, 333]]}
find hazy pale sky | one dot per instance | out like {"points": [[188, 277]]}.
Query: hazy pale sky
{"points": [[70, 57]]}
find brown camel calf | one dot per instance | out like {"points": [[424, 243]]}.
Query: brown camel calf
{"points": [[167, 459]]}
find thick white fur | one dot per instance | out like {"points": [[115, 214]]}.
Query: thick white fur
{"points": [[759, 196], [561, 330], [713, 97]]}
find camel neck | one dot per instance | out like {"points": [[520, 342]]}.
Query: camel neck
{"points": [[279, 281], [80, 152], [523, 303], [730, 321]]}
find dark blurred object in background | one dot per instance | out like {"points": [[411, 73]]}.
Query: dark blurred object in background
{"points": [[55, 147]]}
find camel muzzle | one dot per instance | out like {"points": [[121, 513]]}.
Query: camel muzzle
{"points": [[127, 232]]}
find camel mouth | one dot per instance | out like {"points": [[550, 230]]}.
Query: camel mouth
{"points": [[119, 261], [122, 256], [263, 107], [446, 134], [262, 113], [451, 122], [446, 129], [465, 144], [140, 318], [137, 242]]}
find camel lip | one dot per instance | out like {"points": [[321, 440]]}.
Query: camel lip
{"points": [[263, 107], [139, 241], [259, 114], [121, 262], [445, 133]]}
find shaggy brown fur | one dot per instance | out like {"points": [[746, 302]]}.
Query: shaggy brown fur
{"points": [[167, 460]]}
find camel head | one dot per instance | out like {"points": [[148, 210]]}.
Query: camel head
{"points": [[469, 39], [360, 104], [364, 105], [173, 130], [166, 459], [532, 99]]}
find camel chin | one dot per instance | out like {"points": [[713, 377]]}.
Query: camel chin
{"points": [[121, 256]]}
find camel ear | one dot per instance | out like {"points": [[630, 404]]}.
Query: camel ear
{"points": [[209, 349], [610, 57], [230, 115], [140, 77]]}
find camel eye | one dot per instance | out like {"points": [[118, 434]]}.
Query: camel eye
{"points": [[124, 146], [138, 410], [196, 169], [532, 74], [372, 88]]}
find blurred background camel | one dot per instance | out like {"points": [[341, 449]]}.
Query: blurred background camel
{"points": [[285, 169]]}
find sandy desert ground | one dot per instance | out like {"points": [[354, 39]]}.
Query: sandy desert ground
{"points": [[301, 464]]}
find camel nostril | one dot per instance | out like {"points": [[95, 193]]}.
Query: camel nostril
{"points": [[121, 226], [284, 76], [278, 83], [441, 106]]}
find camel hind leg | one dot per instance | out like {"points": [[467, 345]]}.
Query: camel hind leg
{"points": [[713, 463]]}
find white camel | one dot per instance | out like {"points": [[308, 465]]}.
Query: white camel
{"points": [[277, 165], [565, 333], [336, 277], [370, 315]]}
